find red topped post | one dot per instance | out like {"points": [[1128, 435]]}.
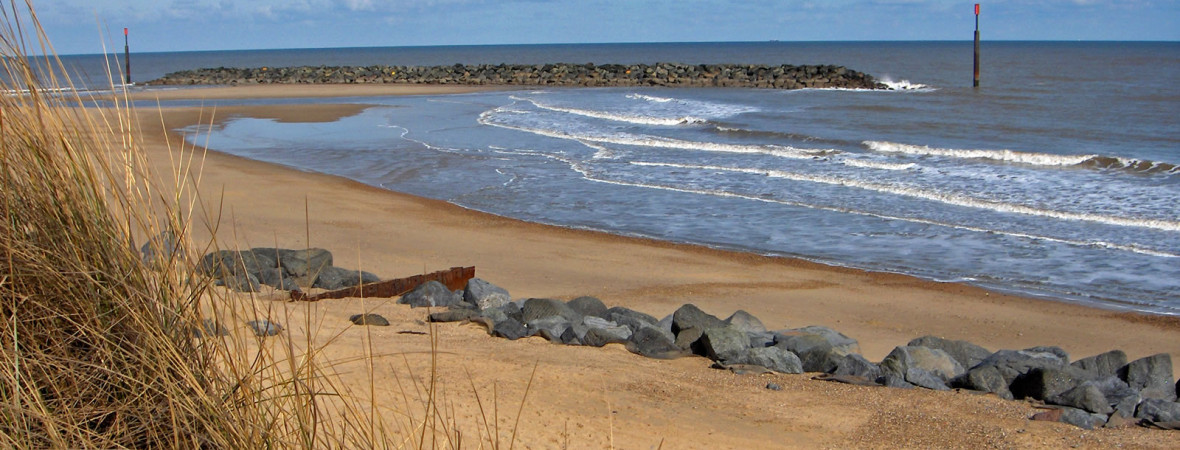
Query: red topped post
{"points": [[976, 82]]}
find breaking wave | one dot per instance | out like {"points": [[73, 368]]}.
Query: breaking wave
{"points": [[1035, 159]]}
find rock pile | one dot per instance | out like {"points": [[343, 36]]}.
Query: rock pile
{"points": [[1102, 390], [586, 75], [285, 269]]}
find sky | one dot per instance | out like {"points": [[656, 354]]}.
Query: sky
{"points": [[84, 26]]}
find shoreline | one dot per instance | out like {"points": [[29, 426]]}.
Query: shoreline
{"points": [[394, 234]]}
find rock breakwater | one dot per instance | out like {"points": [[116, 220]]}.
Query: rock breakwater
{"points": [[562, 74]]}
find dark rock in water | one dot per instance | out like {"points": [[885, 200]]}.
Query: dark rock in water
{"points": [[1042, 383], [922, 366], [722, 343], [242, 282], [1156, 410], [773, 358], [631, 318], [745, 321], [819, 348], [689, 316], [333, 278], [588, 306], [966, 353], [485, 295], [856, 365], [264, 327], [454, 315], [276, 278], [539, 308], [210, 328], [653, 342], [1102, 365], [510, 329], [598, 337], [430, 293], [160, 248], [774, 386], [551, 327], [687, 338], [1151, 376], [376, 320], [1086, 396], [986, 378]]}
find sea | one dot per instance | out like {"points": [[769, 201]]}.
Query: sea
{"points": [[1056, 178]]}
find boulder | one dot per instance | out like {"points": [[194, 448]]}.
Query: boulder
{"points": [[631, 318], [1043, 383], [722, 343], [222, 263], [454, 315], [687, 338], [1156, 410], [598, 337], [276, 278], [242, 282], [966, 353], [763, 339], [922, 366], [161, 248], [745, 321], [1081, 418], [510, 329], [538, 308], [302, 264], [596, 322], [1085, 396], [209, 328], [833, 337], [550, 328], [773, 358], [570, 337], [1151, 376], [856, 365], [1014, 363], [689, 316], [485, 295], [333, 278], [499, 314], [984, 379], [376, 320], [653, 342], [264, 327], [588, 306], [1103, 365], [428, 294], [817, 351]]}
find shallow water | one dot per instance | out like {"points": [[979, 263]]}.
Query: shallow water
{"points": [[1057, 178]]}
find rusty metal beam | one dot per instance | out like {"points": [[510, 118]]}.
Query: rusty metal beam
{"points": [[454, 278]]}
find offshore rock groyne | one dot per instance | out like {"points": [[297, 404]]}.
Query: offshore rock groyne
{"points": [[585, 75]]}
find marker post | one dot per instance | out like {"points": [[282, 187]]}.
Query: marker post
{"points": [[127, 55], [976, 82]]}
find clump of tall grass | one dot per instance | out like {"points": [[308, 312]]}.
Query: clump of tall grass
{"points": [[99, 346]]}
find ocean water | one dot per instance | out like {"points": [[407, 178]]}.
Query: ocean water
{"points": [[1057, 178]]}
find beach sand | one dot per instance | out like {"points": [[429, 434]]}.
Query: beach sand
{"points": [[603, 397]]}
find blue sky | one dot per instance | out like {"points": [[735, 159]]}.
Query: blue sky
{"points": [[81, 26]]}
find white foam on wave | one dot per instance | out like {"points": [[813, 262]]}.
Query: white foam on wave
{"points": [[904, 85], [617, 117], [866, 164], [650, 98], [941, 197], [1036, 159], [780, 151]]}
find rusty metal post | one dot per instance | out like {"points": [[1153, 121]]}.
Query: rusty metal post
{"points": [[976, 81], [127, 55]]}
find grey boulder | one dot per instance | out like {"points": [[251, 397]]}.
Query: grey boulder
{"points": [[485, 295], [428, 294], [1151, 376], [922, 366], [966, 353], [588, 306]]}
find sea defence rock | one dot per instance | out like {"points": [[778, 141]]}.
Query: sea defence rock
{"points": [[560, 74]]}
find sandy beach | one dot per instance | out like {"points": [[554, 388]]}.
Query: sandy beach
{"points": [[607, 397]]}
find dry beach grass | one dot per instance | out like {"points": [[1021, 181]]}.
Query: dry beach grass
{"points": [[97, 347]]}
